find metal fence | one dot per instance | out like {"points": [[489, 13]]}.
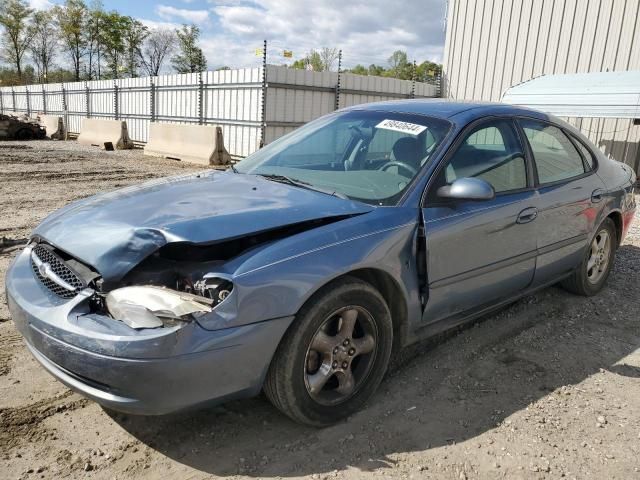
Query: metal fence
{"points": [[253, 106]]}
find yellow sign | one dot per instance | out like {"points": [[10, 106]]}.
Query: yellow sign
{"points": [[287, 54], [258, 52]]}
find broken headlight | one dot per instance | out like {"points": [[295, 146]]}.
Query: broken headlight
{"points": [[214, 288], [153, 307]]}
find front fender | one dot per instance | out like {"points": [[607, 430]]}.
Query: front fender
{"points": [[279, 279]]}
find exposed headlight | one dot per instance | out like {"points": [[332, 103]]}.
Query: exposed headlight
{"points": [[153, 307]]}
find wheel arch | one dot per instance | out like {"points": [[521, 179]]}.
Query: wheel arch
{"points": [[391, 292], [393, 296]]}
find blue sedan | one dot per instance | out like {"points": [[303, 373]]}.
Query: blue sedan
{"points": [[303, 268]]}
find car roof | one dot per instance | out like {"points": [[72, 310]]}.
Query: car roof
{"points": [[463, 111]]}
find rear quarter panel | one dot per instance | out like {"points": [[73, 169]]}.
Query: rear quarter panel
{"points": [[618, 178]]}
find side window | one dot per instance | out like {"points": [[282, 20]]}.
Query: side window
{"points": [[555, 156], [586, 153], [491, 152]]}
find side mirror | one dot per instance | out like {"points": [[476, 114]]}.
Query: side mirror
{"points": [[468, 189]]}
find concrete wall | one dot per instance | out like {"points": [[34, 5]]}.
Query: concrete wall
{"points": [[492, 45]]}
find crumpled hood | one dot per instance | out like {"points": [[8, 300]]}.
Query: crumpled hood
{"points": [[114, 231]]}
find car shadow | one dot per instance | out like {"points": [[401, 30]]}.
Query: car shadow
{"points": [[445, 391]]}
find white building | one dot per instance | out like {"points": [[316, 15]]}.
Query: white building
{"points": [[492, 45]]}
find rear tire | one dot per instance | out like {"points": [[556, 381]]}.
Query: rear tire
{"points": [[592, 274], [334, 356]]}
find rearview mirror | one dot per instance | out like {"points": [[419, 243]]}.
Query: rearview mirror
{"points": [[468, 189]]}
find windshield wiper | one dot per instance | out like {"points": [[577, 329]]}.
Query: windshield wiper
{"points": [[301, 183], [233, 168]]}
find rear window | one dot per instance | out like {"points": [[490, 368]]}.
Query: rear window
{"points": [[586, 153]]}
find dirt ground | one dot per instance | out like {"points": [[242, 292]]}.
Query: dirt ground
{"points": [[548, 388]]}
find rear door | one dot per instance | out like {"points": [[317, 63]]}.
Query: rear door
{"points": [[478, 252], [569, 199]]}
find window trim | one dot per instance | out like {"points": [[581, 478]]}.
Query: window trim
{"points": [[461, 137], [538, 184], [572, 136]]}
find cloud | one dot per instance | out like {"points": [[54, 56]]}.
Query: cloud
{"points": [[154, 25], [368, 31], [168, 12], [40, 4]]}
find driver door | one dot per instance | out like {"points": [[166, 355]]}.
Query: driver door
{"points": [[479, 252]]}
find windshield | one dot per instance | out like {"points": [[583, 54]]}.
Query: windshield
{"points": [[364, 155]]}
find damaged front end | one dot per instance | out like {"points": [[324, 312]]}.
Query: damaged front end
{"points": [[153, 307], [179, 283], [151, 304], [139, 349]]}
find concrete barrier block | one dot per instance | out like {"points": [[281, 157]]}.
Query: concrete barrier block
{"points": [[201, 144], [97, 132], [54, 125]]}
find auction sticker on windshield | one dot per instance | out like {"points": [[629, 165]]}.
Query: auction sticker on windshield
{"points": [[404, 127]]}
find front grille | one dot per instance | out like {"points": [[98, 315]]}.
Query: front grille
{"points": [[58, 267]]}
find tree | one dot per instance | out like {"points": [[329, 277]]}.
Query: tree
{"points": [[397, 60], [14, 17], [44, 43], [160, 43], [300, 64], [328, 57], [313, 61], [191, 59], [376, 70], [359, 70], [134, 36], [400, 66], [112, 37], [95, 23], [428, 71], [72, 18], [317, 60]]}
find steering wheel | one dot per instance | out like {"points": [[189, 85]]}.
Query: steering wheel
{"points": [[395, 163]]}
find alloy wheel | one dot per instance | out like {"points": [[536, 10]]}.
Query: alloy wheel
{"points": [[599, 255], [340, 355]]}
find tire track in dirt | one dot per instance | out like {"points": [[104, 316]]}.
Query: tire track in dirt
{"points": [[9, 160], [99, 176], [8, 343], [56, 175], [16, 147], [24, 423]]}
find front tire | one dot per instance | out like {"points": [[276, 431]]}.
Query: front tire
{"points": [[334, 356], [594, 270]]}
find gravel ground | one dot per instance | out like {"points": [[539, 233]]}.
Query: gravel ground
{"points": [[547, 388]]}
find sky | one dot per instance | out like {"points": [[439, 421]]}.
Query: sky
{"points": [[367, 31]]}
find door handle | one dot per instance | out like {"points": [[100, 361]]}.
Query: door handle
{"points": [[597, 195], [527, 215]]}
